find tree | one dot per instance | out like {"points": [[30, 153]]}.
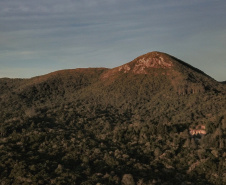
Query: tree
{"points": [[157, 152], [193, 144], [127, 179]]}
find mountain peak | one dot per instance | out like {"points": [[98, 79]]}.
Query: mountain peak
{"points": [[150, 60], [143, 64], [158, 66]]}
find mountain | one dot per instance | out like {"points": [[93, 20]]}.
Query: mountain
{"points": [[153, 120], [156, 72], [183, 78]]}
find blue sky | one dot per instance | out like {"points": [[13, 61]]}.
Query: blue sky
{"points": [[41, 36]]}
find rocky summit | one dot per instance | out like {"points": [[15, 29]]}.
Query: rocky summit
{"points": [[151, 60], [154, 120]]}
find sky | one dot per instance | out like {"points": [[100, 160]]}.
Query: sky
{"points": [[41, 36]]}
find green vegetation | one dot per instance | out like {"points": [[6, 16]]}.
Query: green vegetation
{"points": [[76, 127]]}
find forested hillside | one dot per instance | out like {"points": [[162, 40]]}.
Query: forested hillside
{"points": [[154, 120]]}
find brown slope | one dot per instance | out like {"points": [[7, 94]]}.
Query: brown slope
{"points": [[152, 60], [184, 78], [77, 76]]}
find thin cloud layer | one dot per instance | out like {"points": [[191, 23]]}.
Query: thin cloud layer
{"points": [[92, 33]]}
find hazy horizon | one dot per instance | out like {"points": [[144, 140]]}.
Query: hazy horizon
{"points": [[39, 37]]}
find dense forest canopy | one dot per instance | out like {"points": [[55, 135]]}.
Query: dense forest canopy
{"points": [[155, 120]]}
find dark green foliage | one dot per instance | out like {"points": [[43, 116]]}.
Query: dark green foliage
{"points": [[76, 127]]}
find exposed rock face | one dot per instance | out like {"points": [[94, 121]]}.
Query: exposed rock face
{"points": [[201, 130], [125, 68], [188, 88], [142, 64], [155, 60], [196, 132], [157, 66]]}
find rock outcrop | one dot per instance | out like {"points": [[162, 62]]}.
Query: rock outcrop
{"points": [[201, 130]]}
